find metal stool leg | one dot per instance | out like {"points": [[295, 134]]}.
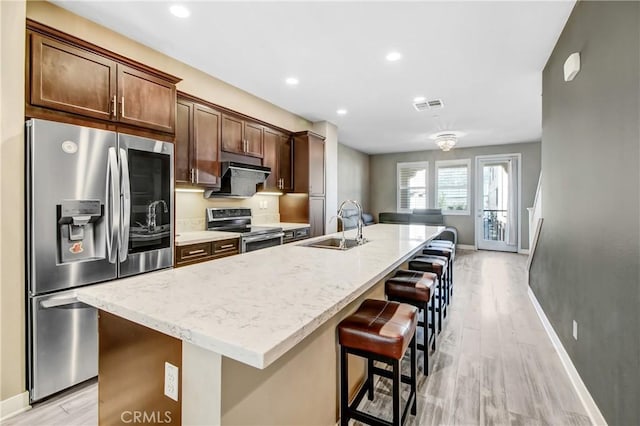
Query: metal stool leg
{"points": [[370, 378], [344, 388], [397, 412]]}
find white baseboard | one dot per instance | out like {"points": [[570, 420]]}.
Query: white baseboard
{"points": [[524, 251], [15, 405], [465, 247], [583, 393]]}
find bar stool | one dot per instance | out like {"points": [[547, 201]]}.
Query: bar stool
{"points": [[437, 265], [436, 250], [379, 330], [416, 288]]}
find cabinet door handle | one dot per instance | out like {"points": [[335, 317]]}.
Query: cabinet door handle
{"points": [[114, 106], [122, 108], [226, 246], [195, 252], [193, 174]]}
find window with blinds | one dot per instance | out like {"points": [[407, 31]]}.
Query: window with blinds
{"points": [[412, 186], [452, 186]]}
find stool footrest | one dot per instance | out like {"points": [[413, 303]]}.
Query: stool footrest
{"points": [[368, 418], [389, 374]]}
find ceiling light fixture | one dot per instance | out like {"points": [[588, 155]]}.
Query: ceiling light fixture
{"points": [[292, 81], [341, 111], [394, 56], [419, 99], [180, 11], [446, 141]]}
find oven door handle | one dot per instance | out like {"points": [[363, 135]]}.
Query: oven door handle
{"points": [[262, 237]]}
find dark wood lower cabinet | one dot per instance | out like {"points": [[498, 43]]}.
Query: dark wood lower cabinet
{"points": [[201, 252], [316, 216]]}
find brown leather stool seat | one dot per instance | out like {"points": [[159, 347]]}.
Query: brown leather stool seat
{"points": [[448, 253], [439, 266], [413, 285], [381, 327], [417, 288], [379, 330]]}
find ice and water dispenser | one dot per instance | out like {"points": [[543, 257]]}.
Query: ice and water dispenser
{"points": [[77, 236]]}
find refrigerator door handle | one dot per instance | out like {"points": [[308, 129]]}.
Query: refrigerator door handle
{"points": [[113, 199], [58, 302], [126, 205]]}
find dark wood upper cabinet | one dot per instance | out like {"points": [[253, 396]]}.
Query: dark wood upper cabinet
{"points": [[242, 137], [277, 156], [70, 79], [309, 163], [253, 134], [198, 130], [270, 158], [285, 165], [232, 134], [206, 145], [145, 100], [184, 141]]}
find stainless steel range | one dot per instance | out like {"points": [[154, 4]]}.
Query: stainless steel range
{"points": [[239, 220]]}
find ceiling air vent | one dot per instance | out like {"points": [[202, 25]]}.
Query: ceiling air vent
{"points": [[423, 104]]}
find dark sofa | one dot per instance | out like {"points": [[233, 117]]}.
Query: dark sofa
{"points": [[431, 217], [350, 219]]}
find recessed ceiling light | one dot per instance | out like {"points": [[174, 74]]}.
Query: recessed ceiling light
{"points": [[292, 81], [394, 56], [419, 99], [341, 111], [179, 11]]}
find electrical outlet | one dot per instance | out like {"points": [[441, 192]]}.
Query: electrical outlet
{"points": [[575, 329], [171, 381]]}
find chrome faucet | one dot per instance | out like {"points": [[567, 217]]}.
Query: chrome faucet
{"points": [[359, 238], [151, 214]]}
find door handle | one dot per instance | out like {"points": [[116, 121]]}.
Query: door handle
{"points": [[113, 198], [61, 301], [193, 174], [125, 189], [114, 104]]}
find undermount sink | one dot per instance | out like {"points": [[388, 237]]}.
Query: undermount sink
{"points": [[334, 243]]}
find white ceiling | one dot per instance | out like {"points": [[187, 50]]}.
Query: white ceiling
{"points": [[483, 59]]}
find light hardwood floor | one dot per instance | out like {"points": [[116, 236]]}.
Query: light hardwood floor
{"points": [[494, 364]]}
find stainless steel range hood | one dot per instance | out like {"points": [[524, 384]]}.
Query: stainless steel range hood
{"points": [[239, 180]]}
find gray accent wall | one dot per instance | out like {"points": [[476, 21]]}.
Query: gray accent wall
{"points": [[586, 266], [353, 176], [383, 182]]}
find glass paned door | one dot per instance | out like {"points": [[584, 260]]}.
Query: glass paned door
{"points": [[497, 203]]}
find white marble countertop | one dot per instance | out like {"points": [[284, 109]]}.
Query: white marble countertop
{"points": [[195, 237], [256, 306]]}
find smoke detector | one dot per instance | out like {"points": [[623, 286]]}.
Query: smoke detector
{"points": [[422, 104]]}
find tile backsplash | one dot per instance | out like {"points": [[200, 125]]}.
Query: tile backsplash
{"points": [[190, 209]]}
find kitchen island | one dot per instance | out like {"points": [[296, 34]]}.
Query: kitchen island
{"points": [[253, 335]]}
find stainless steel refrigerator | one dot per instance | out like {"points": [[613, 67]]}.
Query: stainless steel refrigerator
{"points": [[100, 207]]}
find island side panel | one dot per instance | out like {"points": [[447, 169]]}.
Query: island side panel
{"points": [[131, 372], [301, 387], [201, 386]]}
